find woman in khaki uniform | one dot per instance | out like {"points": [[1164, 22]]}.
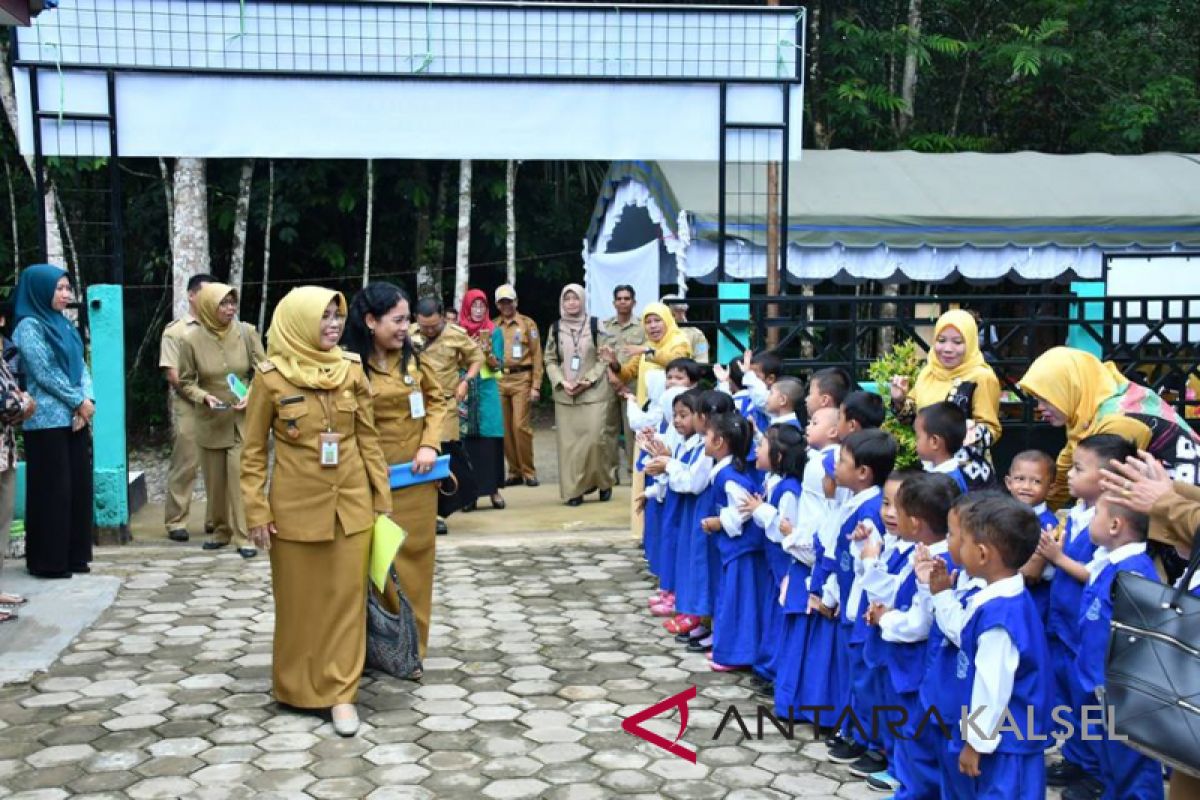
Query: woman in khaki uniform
{"points": [[411, 410], [329, 484], [581, 399], [211, 351]]}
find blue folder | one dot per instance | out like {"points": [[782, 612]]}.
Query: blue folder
{"points": [[401, 475]]}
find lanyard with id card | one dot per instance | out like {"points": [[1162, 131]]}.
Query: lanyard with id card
{"points": [[328, 441], [416, 399]]}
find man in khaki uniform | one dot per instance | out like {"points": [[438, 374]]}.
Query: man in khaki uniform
{"points": [[520, 385], [695, 336], [185, 456], [624, 330], [446, 349]]}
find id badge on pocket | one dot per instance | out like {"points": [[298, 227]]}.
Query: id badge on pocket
{"points": [[575, 363], [416, 405], [517, 351], [328, 443]]}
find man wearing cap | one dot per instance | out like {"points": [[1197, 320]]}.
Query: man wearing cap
{"points": [[695, 336], [627, 332], [520, 385]]}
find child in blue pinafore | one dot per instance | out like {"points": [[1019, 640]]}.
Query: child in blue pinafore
{"points": [[1001, 673], [738, 614], [683, 489], [940, 430], [865, 460], [950, 589], [902, 612], [661, 437], [1029, 479], [1120, 538], [748, 389], [781, 456], [792, 691], [1069, 555]]}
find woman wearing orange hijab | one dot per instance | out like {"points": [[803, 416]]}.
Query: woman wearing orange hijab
{"points": [[957, 372]]}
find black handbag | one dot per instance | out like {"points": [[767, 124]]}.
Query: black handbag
{"points": [[392, 639], [1152, 670], [461, 489]]}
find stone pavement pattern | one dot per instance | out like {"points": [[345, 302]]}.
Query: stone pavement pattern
{"points": [[536, 656]]}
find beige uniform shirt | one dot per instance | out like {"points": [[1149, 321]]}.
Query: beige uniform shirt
{"points": [[522, 331], [591, 369], [445, 358], [204, 364], [307, 500], [400, 433], [699, 343], [168, 354]]}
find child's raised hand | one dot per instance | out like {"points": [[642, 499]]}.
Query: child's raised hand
{"points": [[750, 504], [657, 465], [875, 612], [871, 548], [710, 524], [785, 527], [721, 373], [1049, 547], [747, 359], [939, 577], [657, 447]]}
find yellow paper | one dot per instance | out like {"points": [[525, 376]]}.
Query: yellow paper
{"points": [[386, 539]]}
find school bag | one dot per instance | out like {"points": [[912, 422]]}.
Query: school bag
{"points": [[593, 323], [1152, 668]]}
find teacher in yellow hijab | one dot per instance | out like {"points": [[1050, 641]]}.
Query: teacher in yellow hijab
{"points": [[956, 372]]}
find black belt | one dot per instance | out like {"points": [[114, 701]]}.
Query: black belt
{"points": [[518, 369]]}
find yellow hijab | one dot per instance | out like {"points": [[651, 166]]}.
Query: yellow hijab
{"points": [[935, 381], [208, 301], [293, 342], [671, 345], [1075, 382]]}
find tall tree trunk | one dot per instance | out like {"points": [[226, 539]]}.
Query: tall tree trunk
{"points": [[510, 230], [370, 221], [55, 253], [190, 234], [462, 248], [16, 229], [822, 135], [262, 301], [908, 84], [437, 255], [241, 226], [169, 197]]}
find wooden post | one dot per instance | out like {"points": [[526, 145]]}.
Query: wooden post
{"points": [[774, 264]]}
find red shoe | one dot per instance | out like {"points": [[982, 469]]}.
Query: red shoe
{"points": [[660, 598], [682, 623], [663, 610]]}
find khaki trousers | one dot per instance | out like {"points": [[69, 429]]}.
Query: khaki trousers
{"points": [[185, 461], [518, 430], [222, 483], [617, 425]]}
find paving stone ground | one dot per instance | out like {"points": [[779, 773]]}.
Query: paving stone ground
{"points": [[536, 656]]}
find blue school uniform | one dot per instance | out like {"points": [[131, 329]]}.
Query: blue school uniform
{"points": [[698, 583], [651, 516], [743, 402], [937, 691], [785, 419], [1062, 633], [915, 763], [737, 616], [1015, 770], [1041, 590], [954, 472], [778, 562], [871, 688], [1126, 773], [677, 510]]}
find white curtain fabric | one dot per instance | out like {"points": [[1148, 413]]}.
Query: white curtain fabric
{"points": [[606, 271], [632, 193], [747, 262]]}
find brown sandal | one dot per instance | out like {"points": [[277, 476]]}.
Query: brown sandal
{"points": [[12, 600]]}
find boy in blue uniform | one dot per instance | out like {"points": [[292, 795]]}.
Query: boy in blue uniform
{"points": [[866, 459], [1120, 538], [903, 616], [1002, 678], [785, 397], [1029, 479], [940, 429], [1069, 555], [827, 388], [860, 411]]}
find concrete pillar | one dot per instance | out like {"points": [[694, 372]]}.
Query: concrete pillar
{"points": [[736, 317], [106, 320], [1093, 313]]}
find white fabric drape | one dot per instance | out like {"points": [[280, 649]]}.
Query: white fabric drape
{"points": [[605, 271]]}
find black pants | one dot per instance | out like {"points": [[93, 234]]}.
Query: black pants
{"points": [[58, 500]]}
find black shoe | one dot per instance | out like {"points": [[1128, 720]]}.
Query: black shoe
{"points": [[846, 752], [832, 739], [1064, 773], [213, 545], [575, 501], [683, 638], [50, 576], [247, 552], [1087, 788], [531, 482], [696, 646], [514, 481], [442, 530], [868, 764], [178, 535], [605, 495], [498, 502], [83, 570], [765, 689], [469, 507], [591, 490]]}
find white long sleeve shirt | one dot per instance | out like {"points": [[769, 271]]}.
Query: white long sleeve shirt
{"points": [[770, 517], [757, 389], [914, 623], [731, 516], [996, 662], [690, 478], [948, 609]]}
